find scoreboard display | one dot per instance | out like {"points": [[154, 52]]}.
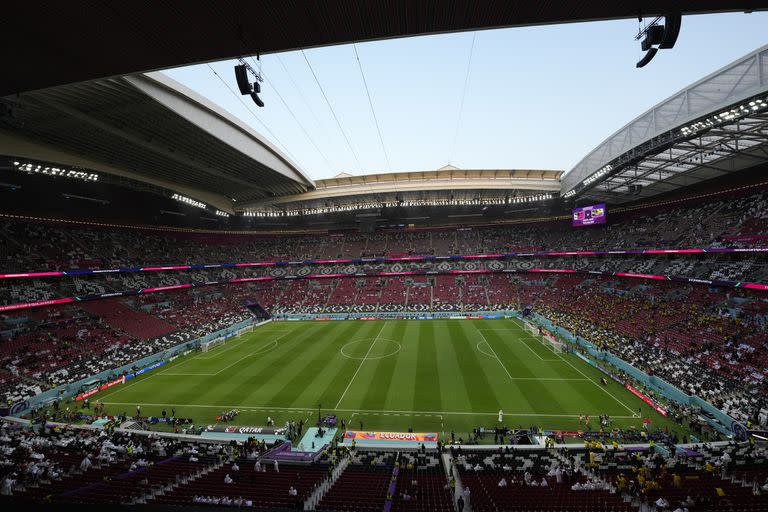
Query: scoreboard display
{"points": [[589, 215]]}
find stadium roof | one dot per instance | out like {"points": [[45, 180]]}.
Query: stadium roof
{"points": [[445, 184], [713, 127], [56, 43], [152, 129]]}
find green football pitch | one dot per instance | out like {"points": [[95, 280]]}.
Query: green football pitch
{"points": [[430, 375]]}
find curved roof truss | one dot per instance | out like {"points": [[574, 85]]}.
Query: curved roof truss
{"points": [[685, 133]]}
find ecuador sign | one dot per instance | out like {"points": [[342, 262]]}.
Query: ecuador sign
{"points": [[390, 436]]}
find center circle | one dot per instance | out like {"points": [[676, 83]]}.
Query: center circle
{"points": [[358, 349]]}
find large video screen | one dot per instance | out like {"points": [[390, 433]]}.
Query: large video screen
{"points": [[589, 215]]}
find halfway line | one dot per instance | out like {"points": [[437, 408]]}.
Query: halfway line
{"points": [[360, 365]]}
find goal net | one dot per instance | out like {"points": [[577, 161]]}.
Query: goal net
{"points": [[208, 345], [247, 328], [553, 343], [546, 338], [534, 330]]}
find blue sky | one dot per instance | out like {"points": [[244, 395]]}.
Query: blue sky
{"points": [[536, 98]]}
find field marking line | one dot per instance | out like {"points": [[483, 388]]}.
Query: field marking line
{"points": [[191, 374], [399, 348], [258, 350], [358, 411], [523, 334], [547, 359], [521, 340], [254, 353], [360, 366], [261, 350], [123, 388], [580, 379], [184, 361], [217, 353], [198, 354], [534, 352], [495, 355], [634, 414], [138, 381]]}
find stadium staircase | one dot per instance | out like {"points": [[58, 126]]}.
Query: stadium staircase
{"points": [[157, 493], [313, 499], [431, 298], [450, 470], [333, 286]]}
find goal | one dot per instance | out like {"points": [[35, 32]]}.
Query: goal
{"points": [[556, 345], [546, 339], [208, 345], [533, 329], [247, 328]]}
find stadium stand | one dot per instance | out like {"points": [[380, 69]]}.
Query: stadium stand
{"points": [[164, 231], [734, 219], [134, 323], [91, 466], [363, 485], [618, 479], [62, 344], [643, 316], [421, 484]]}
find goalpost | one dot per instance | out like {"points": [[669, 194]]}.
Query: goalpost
{"points": [[556, 345], [546, 339], [208, 345], [247, 328]]}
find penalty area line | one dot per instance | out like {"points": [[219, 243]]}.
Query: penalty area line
{"points": [[234, 344], [255, 352], [193, 357], [634, 414], [496, 356]]}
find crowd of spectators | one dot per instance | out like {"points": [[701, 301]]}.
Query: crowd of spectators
{"points": [[706, 342], [729, 477], [57, 464], [429, 283], [735, 219], [45, 348]]}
